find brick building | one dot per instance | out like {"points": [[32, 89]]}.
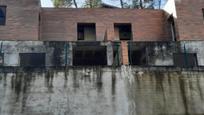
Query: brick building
{"points": [[101, 36]]}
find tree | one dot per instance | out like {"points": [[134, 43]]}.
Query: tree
{"points": [[152, 4], [141, 4], [121, 3], [131, 3], [92, 3], [64, 3], [158, 3], [75, 4]]}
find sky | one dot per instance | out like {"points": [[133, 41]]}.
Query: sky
{"points": [[48, 3]]}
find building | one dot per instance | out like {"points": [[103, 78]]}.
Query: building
{"points": [[35, 36]]}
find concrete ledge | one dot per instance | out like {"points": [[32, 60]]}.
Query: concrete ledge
{"points": [[102, 68]]}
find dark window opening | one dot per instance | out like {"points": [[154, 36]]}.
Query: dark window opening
{"points": [[185, 60], [173, 28], [86, 31], [89, 56], [123, 31], [32, 59], [57, 57], [2, 15], [138, 57], [203, 12]]}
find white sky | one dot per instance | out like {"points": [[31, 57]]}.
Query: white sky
{"points": [[48, 3]]}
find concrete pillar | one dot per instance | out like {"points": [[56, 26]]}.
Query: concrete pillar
{"points": [[68, 54], [49, 55], [109, 53]]}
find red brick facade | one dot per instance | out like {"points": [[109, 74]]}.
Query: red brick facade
{"points": [[61, 24], [22, 20], [124, 53], [190, 20], [25, 20]]}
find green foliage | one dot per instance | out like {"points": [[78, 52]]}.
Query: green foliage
{"points": [[92, 4], [62, 3], [139, 4], [135, 4]]}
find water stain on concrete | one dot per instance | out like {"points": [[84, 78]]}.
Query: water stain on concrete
{"points": [[102, 91]]}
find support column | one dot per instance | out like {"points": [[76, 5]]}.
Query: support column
{"points": [[68, 57], [109, 51], [70, 54], [124, 53]]}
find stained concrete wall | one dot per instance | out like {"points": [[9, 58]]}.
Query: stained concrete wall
{"points": [[194, 47], [103, 91], [11, 50], [161, 53], [57, 53], [61, 53]]}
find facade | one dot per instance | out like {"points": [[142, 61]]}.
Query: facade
{"points": [[35, 36]]}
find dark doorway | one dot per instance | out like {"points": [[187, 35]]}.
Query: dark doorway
{"points": [[86, 31], [123, 31], [185, 60], [32, 59], [89, 55], [138, 57]]}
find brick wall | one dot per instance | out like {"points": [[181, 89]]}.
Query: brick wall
{"points": [[22, 20], [61, 24], [190, 21], [124, 53]]}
